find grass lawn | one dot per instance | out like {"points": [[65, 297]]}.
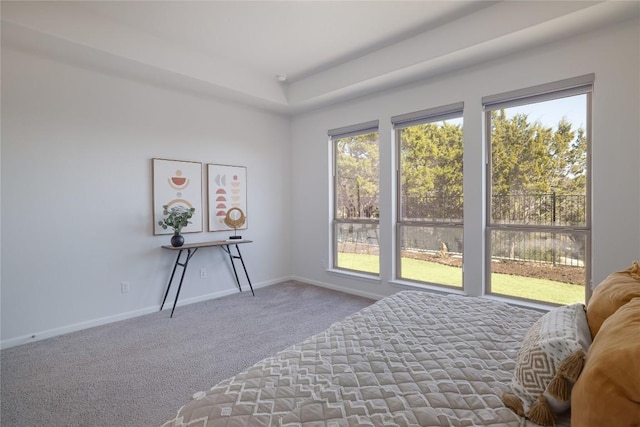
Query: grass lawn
{"points": [[503, 284], [360, 262]]}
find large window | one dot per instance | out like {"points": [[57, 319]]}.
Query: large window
{"points": [[356, 198], [538, 216], [429, 218]]}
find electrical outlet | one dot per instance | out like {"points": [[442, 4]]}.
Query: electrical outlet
{"points": [[203, 273], [323, 263], [124, 287]]}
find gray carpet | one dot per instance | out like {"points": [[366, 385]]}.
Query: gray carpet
{"points": [[138, 372]]}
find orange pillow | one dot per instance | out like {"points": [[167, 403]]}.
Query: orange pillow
{"points": [[607, 392], [611, 294]]}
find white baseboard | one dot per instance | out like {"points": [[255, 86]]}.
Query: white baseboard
{"points": [[50, 333], [333, 287]]}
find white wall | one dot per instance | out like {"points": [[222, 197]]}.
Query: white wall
{"points": [[76, 194], [612, 54]]}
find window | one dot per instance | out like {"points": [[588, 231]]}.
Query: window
{"points": [[356, 198], [538, 216], [429, 196]]}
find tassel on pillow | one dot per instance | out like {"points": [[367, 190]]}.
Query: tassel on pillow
{"points": [[540, 413], [559, 388], [571, 367], [514, 403], [567, 373]]}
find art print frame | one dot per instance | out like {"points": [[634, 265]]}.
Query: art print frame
{"points": [[226, 189], [177, 183]]}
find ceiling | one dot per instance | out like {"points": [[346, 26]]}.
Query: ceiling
{"points": [[293, 56], [295, 39]]}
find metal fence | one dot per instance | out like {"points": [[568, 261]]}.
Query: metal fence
{"points": [[440, 241], [550, 209], [541, 247], [539, 209], [567, 248]]}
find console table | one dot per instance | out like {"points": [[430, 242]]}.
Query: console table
{"points": [[191, 249]]}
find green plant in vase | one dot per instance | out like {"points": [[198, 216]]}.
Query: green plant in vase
{"points": [[176, 218]]}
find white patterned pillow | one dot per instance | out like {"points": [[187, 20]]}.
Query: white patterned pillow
{"points": [[548, 363]]}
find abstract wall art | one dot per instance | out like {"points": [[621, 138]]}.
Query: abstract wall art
{"points": [[227, 188], [177, 183]]}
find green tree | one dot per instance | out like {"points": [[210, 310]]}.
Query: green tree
{"points": [[532, 165], [357, 187], [530, 158], [431, 165], [518, 155]]}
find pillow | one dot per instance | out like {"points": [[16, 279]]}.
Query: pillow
{"points": [[548, 363], [608, 390], [611, 294]]}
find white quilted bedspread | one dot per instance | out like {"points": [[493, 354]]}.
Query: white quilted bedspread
{"points": [[411, 359]]}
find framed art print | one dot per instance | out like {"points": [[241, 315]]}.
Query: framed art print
{"points": [[177, 183], [227, 189]]}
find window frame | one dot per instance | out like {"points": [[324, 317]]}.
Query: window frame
{"points": [[582, 85], [335, 135], [400, 122]]}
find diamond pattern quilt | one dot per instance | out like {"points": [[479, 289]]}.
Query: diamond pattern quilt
{"points": [[411, 359]]}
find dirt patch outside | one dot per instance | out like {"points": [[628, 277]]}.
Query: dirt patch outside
{"points": [[558, 273]]}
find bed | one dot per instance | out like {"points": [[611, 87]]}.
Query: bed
{"points": [[411, 359]]}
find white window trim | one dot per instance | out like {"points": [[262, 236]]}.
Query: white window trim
{"points": [[400, 122], [581, 85]]}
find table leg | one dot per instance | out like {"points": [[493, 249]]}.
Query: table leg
{"points": [[190, 253], [227, 249], [171, 279], [245, 270]]}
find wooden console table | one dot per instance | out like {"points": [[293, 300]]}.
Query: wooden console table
{"points": [[191, 249]]}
